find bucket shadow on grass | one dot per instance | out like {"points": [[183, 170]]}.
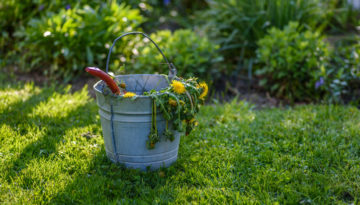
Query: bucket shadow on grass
{"points": [[105, 182]]}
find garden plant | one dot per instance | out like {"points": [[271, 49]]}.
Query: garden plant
{"points": [[292, 58]]}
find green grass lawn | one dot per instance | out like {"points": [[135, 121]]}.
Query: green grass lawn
{"points": [[52, 151]]}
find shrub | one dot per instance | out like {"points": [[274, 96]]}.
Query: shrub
{"points": [[293, 61], [74, 38], [238, 25], [192, 55], [342, 79], [17, 13]]}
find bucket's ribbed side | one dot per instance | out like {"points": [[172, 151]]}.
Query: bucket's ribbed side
{"points": [[131, 120], [131, 133]]}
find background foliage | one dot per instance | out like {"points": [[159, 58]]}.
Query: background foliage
{"points": [[342, 79], [15, 14], [192, 54], [340, 17], [74, 38], [293, 60], [238, 25], [224, 36], [168, 14]]}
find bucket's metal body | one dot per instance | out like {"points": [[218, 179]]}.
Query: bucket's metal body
{"points": [[126, 124]]}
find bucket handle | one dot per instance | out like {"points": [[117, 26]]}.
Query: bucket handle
{"points": [[172, 69]]}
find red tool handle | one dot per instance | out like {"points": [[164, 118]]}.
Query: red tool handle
{"points": [[105, 77]]}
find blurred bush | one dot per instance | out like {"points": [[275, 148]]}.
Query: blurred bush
{"points": [[238, 24], [293, 60], [168, 14], [340, 17], [342, 79], [63, 43], [12, 14], [192, 55], [17, 13]]}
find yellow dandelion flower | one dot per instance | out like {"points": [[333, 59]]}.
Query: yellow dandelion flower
{"points": [[172, 102], [129, 95], [192, 120], [178, 87], [205, 88]]}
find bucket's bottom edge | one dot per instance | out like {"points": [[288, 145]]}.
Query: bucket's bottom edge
{"points": [[149, 165]]}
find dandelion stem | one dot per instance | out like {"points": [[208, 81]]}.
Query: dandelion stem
{"points": [[154, 119], [167, 125]]}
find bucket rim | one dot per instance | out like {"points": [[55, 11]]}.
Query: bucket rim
{"points": [[119, 96]]}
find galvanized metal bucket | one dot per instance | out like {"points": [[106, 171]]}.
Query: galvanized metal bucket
{"points": [[126, 123]]}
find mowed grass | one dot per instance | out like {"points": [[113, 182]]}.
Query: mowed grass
{"points": [[52, 151]]}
